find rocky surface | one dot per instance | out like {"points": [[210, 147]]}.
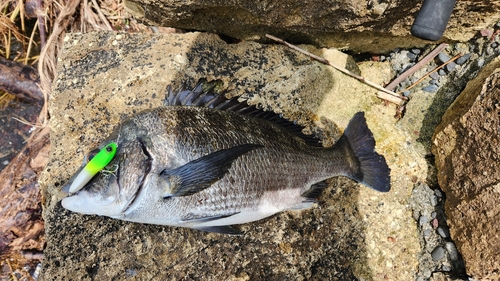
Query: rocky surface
{"points": [[466, 146], [360, 25], [354, 233]]}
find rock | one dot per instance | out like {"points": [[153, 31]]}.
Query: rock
{"points": [[461, 60], [431, 88], [451, 66], [105, 77], [438, 253], [443, 231], [442, 57], [466, 145], [360, 25]]}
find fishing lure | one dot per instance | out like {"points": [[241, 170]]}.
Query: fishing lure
{"points": [[96, 164]]}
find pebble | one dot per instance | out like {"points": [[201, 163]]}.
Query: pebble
{"points": [[434, 76], [494, 45], [406, 93], [427, 232], [461, 60], [438, 193], [438, 253], [446, 268], [480, 62], [442, 72], [442, 57], [423, 220], [434, 200], [443, 231], [452, 250], [451, 66], [431, 88], [434, 82], [427, 273], [415, 51], [433, 215]]}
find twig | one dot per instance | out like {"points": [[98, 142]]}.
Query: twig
{"points": [[101, 15], [395, 98], [30, 43], [429, 73], [416, 67], [41, 23]]}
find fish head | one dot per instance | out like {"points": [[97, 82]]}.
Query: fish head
{"points": [[113, 189]]}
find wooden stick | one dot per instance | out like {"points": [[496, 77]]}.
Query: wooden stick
{"points": [[395, 98], [429, 73], [416, 67]]}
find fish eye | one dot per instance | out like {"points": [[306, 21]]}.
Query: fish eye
{"points": [[109, 148]]}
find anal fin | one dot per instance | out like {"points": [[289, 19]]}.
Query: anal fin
{"points": [[315, 191], [310, 196]]}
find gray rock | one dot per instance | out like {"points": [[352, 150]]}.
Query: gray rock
{"points": [[416, 51], [438, 253], [452, 251], [434, 75], [442, 72], [442, 57], [427, 273], [434, 200], [423, 220], [443, 231], [438, 193], [430, 88], [451, 66], [461, 60], [446, 268]]}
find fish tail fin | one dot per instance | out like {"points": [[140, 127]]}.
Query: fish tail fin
{"points": [[370, 168]]}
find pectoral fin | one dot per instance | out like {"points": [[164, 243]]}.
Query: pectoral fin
{"points": [[201, 173]]}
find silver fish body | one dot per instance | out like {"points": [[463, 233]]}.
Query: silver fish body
{"points": [[205, 166]]}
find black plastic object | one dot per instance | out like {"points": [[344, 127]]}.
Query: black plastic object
{"points": [[432, 19]]}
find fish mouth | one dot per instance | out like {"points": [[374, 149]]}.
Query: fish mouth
{"points": [[147, 170]]}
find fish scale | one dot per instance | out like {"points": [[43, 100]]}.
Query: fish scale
{"points": [[207, 162]]}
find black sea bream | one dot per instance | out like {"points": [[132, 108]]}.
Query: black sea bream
{"points": [[206, 162]]}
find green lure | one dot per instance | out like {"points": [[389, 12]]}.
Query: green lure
{"points": [[96, 164]]}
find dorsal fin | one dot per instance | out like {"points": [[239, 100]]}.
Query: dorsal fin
{"points": [[209, 99]]}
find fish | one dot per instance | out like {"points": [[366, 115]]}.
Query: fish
{"points": [[206, 162]]}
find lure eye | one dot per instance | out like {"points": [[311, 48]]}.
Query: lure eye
{"points": [[98, 159]]}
